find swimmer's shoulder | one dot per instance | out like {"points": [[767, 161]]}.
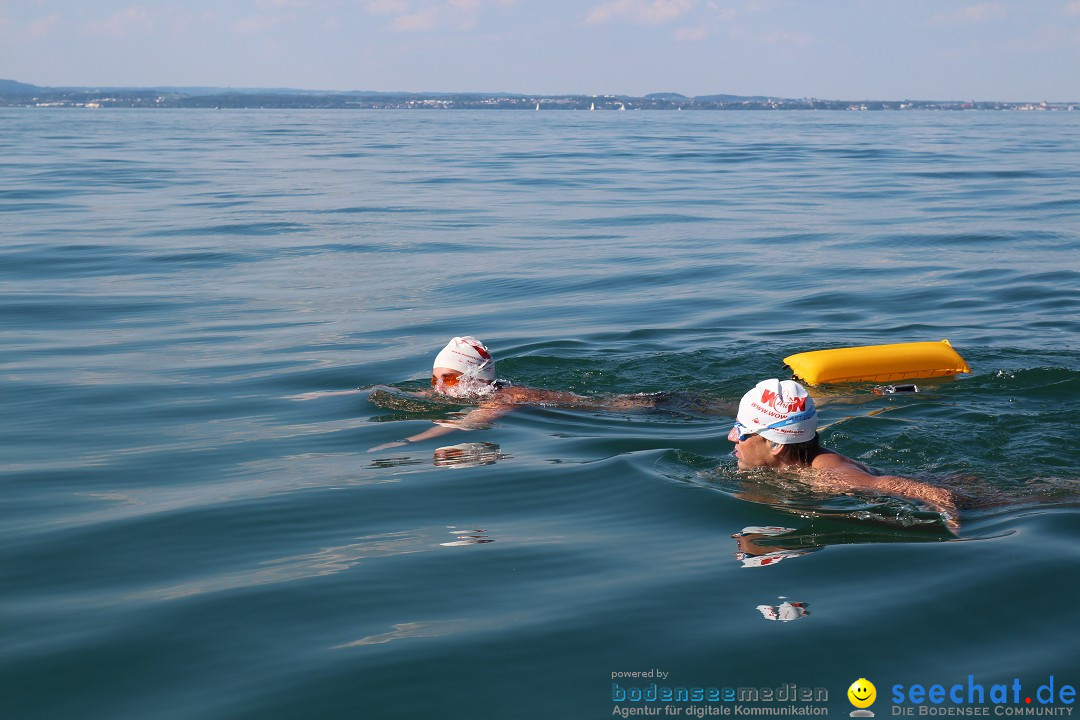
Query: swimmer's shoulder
{"points": [[521, 395], [829, 460], [517, 394]]}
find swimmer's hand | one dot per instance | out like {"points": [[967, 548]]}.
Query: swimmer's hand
{"points": [[843, 476], [939, 498], [945, 503]]}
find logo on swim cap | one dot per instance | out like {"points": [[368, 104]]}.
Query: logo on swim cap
{"points": [[468, 356], [781, 403], [779, 410]]}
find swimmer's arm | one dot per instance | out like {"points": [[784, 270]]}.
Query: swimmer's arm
{"points": [[569, 400], [938, 498], [437, 431], [483, 415], [837, 474]]}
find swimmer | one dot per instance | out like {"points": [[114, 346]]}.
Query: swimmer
{"points": [[465, 369], [776, 428]]}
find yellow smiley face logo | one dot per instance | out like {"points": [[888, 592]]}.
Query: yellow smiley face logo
{"points": [[862, 693]]}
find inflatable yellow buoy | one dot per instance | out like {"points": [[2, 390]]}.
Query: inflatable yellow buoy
{"points": [[878, 363]]}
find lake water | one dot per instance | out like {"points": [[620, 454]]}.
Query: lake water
{"points": [[193, 526]]}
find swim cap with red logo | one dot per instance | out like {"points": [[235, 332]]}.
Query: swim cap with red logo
{"points": [[468, 356], [779, 410]]}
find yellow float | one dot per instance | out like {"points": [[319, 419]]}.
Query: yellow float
{"points": [[878, 363]]}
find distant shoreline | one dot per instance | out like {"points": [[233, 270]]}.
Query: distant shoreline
{"points": [[15, 94]]}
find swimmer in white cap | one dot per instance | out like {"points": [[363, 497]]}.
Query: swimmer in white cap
{"points": [[776, 428], [465, 369]]}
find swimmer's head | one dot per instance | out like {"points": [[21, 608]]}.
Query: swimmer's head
{"points": [[468, 356], [781, 411], [463, 367]]}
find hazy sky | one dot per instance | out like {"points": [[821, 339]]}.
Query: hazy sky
{"points": [[833, 49]]}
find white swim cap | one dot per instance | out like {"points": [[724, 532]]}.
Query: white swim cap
{"points": [[468, 356], [779, 410]]}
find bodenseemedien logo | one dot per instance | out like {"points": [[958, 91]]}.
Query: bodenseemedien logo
{"points": [[862, 695]]}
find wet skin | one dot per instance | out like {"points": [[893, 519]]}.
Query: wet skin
{"points": [[831, 472]]}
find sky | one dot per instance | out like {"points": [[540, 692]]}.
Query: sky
{"points": [[1009, 50]]}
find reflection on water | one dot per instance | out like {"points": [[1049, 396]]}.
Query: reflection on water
{"points": [[326, 561], [394, 462], [402, 631], [467, 537], [786, 611], [462, 455], [760, 546], [753, 553], [470, 454]]}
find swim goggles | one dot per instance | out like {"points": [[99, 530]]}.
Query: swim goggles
{"points": [[452, 380], [743, 432], [447, 380]]}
